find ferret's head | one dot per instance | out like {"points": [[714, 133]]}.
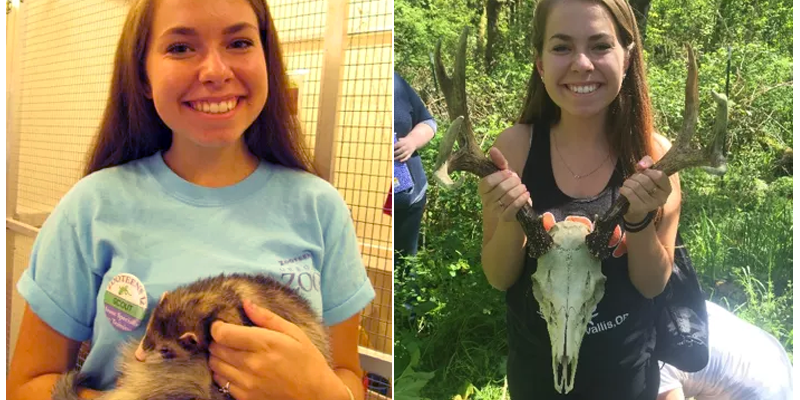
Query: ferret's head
{"points": [[180, 325]]}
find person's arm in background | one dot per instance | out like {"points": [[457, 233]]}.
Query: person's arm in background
{"points": [[40, 357], [422, 133], [424, 126]]}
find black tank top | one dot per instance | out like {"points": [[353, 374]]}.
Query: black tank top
{"points": [[614, 361]]}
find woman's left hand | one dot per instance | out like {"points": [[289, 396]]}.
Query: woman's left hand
{"points": [[646, 190], [273, 360], [404, 149]]}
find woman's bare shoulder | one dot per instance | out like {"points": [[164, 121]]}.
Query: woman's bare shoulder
{"points": [[660, 145], [514, 142]]}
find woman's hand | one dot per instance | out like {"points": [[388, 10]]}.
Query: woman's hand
{"points": [[503, 190], [420, 135], [273, 360], [404, 148], [646, 190]]}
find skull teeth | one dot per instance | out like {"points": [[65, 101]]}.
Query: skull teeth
{"points": [[564, 375]]}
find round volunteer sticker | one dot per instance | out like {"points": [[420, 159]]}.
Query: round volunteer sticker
{"points": [[125, 302]]}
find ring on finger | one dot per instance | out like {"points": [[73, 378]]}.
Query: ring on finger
{"points": [[226, 390], [500, 203]]}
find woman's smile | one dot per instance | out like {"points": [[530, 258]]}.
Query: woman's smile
{"points": [[215, 110], [583, 90]]}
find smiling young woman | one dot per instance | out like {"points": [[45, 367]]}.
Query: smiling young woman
{"points": [[167, 65], [198, 169], [584, 138], [196, 73]]}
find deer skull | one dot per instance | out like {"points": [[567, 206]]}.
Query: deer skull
{"points": [[568, 284]]}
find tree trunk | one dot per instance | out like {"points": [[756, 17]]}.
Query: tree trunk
{"points": [[641, 8], [480, 38], [492, 14], [719, 25]]}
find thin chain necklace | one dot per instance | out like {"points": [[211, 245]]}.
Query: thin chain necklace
{"points": [[574, 175]]}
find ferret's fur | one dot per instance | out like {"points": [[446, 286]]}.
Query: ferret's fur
{"points": [[175, 343]]}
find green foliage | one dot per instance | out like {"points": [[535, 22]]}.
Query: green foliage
{"points": [[763, 308], [409, 384], [760, 89], [715, 23], [418, 28], [738, 228]]}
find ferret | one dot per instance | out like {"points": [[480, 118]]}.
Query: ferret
{"points": [[171, 360]]}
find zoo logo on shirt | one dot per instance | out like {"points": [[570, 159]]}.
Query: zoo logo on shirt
{"points": [[299, 272]]}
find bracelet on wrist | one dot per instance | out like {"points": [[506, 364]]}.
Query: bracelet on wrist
{"points": [[639, 226]]}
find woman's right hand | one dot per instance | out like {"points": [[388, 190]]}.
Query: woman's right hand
{"points": [[503, 191]]}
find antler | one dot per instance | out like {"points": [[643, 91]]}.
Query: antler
{"points": [[469, 158], [454, 87], [682, 155]]}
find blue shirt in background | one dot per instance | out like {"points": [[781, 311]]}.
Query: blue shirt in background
{"points": [[408, 112]]}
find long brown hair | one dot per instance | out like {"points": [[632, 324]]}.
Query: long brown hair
{"points": [[629, 125], [131, 128]]}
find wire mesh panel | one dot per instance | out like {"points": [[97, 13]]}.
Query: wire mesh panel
{"points": [[66, 57], [363, 159], [301, 29], [59, 78], [363, 148]]}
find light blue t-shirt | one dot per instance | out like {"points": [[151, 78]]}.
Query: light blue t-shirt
{"points": [[144, 220]]}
